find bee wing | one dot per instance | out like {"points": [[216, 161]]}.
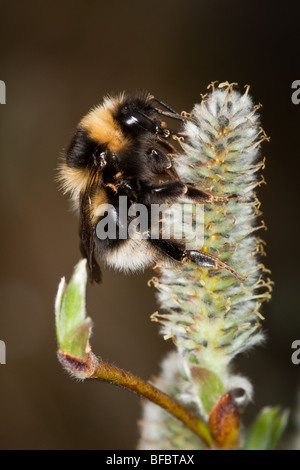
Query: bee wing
{"points": [[87, 229]]}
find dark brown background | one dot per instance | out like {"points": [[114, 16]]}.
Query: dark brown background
{"points": [[57, 61]]}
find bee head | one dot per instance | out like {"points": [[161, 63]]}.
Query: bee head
{"points": [[137, 116]]}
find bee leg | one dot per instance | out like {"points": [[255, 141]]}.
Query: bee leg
{"points": [[203, 197], [205, 260], [200, 258], [159, 160], [165, 193], [167, 146]]}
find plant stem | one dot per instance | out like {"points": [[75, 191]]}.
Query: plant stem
{"points": [[93, 367]]}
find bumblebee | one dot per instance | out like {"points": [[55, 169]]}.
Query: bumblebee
{"points": [[121, 148]]}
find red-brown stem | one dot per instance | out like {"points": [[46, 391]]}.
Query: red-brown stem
{"points": [[93, 367]]}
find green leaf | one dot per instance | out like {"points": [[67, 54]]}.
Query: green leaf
{"points": [[210, 387], [72, 326], [267, 429]]}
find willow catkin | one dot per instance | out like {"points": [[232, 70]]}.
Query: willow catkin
{"points": [[210, 314]]}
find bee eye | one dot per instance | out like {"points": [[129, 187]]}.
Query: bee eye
{"points": [[137, 122]]}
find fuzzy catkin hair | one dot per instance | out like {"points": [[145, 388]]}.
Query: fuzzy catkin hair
{"points": [[210, 315]]}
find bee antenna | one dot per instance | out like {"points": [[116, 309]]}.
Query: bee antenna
{"points": [[174, 115], [164, 105]]}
